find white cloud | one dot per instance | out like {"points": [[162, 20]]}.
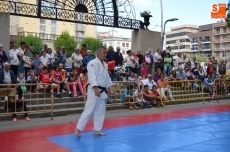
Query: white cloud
{"points": [[143, 4]]}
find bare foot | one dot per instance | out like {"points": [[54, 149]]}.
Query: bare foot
{"points": [[78, 133], [99, 133]]}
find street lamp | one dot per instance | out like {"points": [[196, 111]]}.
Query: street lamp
{"points": [[169, 20]]}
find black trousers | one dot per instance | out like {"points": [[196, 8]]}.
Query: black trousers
{"points": [[27, 69], [13, 107], [14, 68]]}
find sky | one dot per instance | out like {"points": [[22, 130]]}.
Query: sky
{"points": [[195, 12]]}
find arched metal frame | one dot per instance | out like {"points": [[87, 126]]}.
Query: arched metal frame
{"points": [[93, 12]]}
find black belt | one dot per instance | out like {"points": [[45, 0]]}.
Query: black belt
{"points": [[103, 89]]}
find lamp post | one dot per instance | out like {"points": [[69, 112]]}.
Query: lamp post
{"points": [[169, 20]]}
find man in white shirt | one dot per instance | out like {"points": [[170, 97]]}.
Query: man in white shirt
{"points": [[149, 82], [180, 61], [44, 59], [158, 61]]}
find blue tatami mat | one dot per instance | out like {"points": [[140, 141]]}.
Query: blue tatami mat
{"points": [[204, 133]]}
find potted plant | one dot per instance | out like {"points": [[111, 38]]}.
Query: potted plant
{"points": [[146, 15]]}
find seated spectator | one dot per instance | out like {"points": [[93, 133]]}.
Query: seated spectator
{"points": [[149, 82], [83, 78], [208, 84], [32, 79], [228, 73], [173, 75], [157, 75], [181, 75], [155, 96], [222, 69], [59, 81], [220, 86], [73, 80], [214, 75], [210, 69], [195, 70], [21, 80], [164, 87], [87, 58], [201, 74], [7, 77], [138, 95], [127, 96], [44, 78]]}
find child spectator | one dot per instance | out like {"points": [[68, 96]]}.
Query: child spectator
{"points": [[21, 80], [72, 80], [83, 80], [27, 62], [37, 65], [44, 78], [32, 79], [139, 99], [127, 96], [155, 96], [144, 70]]}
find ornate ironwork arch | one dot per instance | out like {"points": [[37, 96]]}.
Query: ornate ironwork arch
{"points": [[94, 12]]}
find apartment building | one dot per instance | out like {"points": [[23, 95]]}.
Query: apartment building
{"points": [[48, 29], [221, 40], [201, 41], [178, 37]]}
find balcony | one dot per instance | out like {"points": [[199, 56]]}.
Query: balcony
{"points": [[45, 36], [194, 41], [207, 48], [194, 49], [206, 41]]}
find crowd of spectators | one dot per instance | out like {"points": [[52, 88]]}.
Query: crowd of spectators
{"points": [[151, 72]]}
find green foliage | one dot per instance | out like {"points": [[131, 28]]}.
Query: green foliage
{"points": [[145, 13], [92, 44], [66, 40], [33, 41]]}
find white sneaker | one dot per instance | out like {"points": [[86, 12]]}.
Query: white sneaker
{"points": [[63, 90], [171, 99]]}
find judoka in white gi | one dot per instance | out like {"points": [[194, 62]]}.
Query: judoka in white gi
{"points": [[97, 93]]}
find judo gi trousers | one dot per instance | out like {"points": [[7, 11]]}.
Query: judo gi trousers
{"points": [[94, 106]]}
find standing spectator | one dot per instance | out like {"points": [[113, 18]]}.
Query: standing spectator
{"points": [[148, 60], [3, 57], [77, 60], [158, 61], [118, 57], [37, 65], [14, 59], [210, 69], [21, 52], [193, 62], [83, 50], [27, 62], [140, 56], [180, 61], [64, 55], [110, 54], [171, 54], [222, 69], [136, 59], [44, 59], [167, 64], [144, 70], [44, 49], [129, 60], [50, 57], [87, 58]]}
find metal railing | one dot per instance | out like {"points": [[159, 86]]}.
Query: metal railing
{"points": [[11, 95]]}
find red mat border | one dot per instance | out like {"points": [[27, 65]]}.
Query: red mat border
{"points": [[34, 139]]}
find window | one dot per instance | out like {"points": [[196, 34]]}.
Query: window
{"points": [[224, 30], [200, 38], [123, 44], [223, 37], [217, 31], [42, 28], [127, 44], [53, 29], [177, 34]]}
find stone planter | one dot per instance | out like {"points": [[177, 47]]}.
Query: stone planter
{"points": [[146, 20]]}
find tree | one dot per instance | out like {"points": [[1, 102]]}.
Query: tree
{"points": [[228, 15], [33, 41], [92, 44], [66, 40]]}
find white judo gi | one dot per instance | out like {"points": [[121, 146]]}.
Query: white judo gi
{"points": [[97, 76]]}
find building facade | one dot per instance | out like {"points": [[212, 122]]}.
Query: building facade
{"points": [[48, 29], [178, 38], [221, 40], [201, 41], [112, 38]]}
